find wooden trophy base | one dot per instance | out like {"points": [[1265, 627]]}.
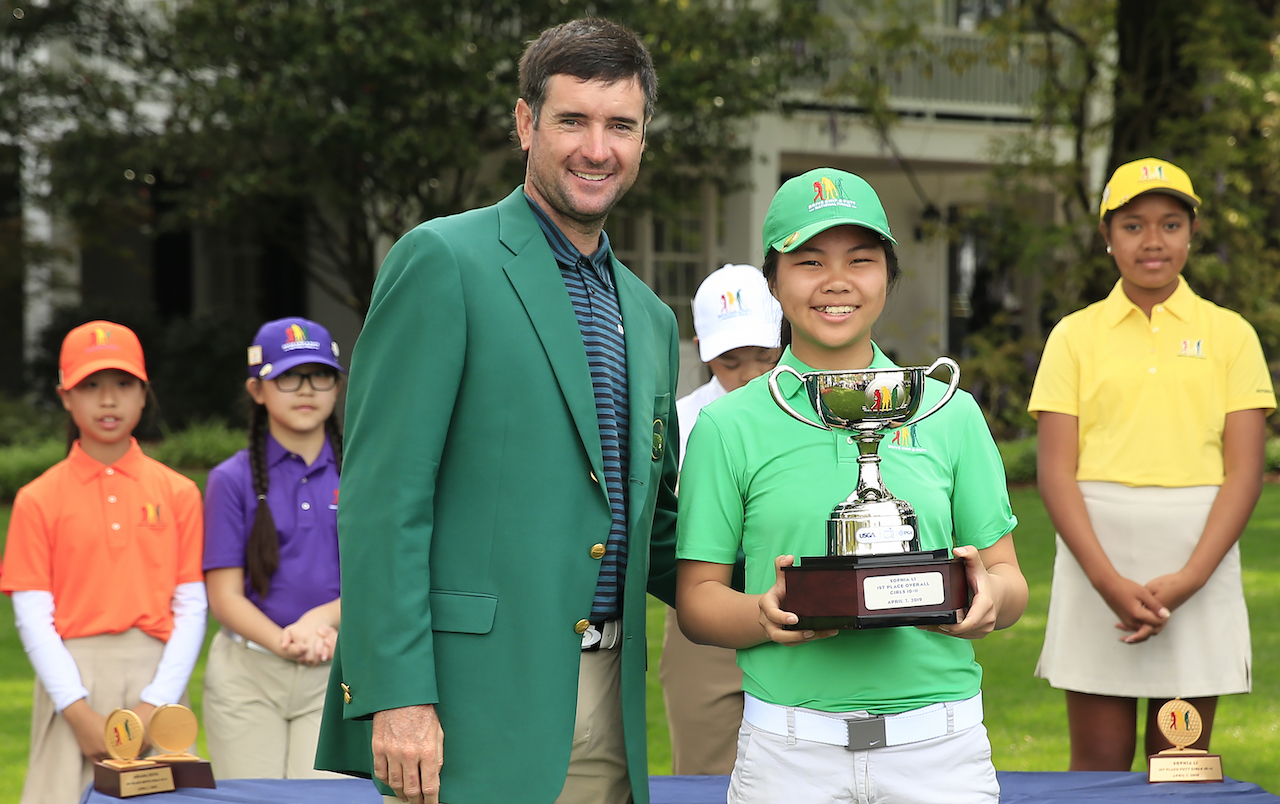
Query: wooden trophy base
{"points": [[885, 591], [188, 770], [1184, 765], [124, 778]]}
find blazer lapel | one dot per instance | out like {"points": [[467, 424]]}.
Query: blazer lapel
{"points": [[641, 383], [533, 273]]}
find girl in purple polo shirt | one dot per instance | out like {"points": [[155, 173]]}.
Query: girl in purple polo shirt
{"points": [[272, 570]]}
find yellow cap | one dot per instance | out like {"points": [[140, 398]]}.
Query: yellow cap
{"points": [[1149, 175]]}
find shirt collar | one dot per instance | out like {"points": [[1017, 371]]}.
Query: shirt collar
{"points": [[1118, 306], [878, 361], [276, 453], [86, 468], [1183, 301], [566, 252]]}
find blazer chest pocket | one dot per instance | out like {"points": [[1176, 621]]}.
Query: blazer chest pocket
{"points": [[661, 414], [462, 612]]}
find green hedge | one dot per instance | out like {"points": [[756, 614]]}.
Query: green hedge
{"points": [[22, 463], [1019, 459], [199, 447]]}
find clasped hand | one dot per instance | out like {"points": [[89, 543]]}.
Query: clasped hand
{"points": [[308, 641], [1144, 610]]}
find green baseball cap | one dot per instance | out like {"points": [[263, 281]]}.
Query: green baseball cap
{"points": [[816, 201]]}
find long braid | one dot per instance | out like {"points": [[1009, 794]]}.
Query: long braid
{"points": [[262, 557], [333, 428]]}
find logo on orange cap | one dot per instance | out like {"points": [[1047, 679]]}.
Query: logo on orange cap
{"points": [[97, 346]]}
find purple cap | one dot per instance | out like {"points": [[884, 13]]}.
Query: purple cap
{"points": [[287, 342]]}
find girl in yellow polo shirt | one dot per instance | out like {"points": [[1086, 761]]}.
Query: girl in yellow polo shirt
{"points": [[1151, 405]]}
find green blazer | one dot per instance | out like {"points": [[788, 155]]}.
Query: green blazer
{"points": [[470, 506]]}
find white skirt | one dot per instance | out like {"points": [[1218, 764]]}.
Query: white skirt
{"points": [[1147, 532]]}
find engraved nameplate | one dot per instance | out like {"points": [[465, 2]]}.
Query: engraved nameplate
{"points": [[902, 591], [142, 782]]}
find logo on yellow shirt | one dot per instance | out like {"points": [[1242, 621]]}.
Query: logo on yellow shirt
{"points": [[1192, 349]]}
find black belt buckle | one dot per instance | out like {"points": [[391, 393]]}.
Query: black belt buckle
{"points": [[866, 734]]}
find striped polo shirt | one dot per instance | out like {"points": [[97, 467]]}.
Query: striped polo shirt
{"points": [[589, 281]]}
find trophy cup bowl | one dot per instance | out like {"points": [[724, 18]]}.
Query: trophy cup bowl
{"points": [[874, 574]]}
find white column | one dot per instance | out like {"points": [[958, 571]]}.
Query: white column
{"points": [[52, 276]]}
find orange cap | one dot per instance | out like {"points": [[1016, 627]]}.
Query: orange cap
{"points": [[96, 346]]}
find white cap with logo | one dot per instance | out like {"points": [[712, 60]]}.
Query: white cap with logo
{"points": [[733, 307]]}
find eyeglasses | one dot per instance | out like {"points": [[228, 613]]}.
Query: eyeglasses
{"points": [[322, 380]]}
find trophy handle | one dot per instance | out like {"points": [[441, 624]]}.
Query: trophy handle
{"points": [[952, 385], [776, 393]]}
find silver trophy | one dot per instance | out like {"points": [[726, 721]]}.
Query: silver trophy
{"points": [[872, 532]]}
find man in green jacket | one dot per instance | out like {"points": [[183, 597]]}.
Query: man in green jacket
{"points": [[508, 490]]}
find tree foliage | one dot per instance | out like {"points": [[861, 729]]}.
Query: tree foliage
{"points": [[373, 115], [1197, 83]]}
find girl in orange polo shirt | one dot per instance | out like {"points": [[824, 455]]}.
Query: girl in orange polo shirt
{"points": [[103, 564], [1151, 406]]}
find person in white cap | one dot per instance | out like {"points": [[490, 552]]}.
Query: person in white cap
{"points": [[738, 324]]}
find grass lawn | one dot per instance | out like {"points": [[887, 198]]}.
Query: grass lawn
{"points": [[1026, 719]]}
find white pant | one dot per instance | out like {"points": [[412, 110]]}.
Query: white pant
{"points": [[954, 769]]}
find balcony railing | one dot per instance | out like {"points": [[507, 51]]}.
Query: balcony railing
{"points": [[925, 82], [930, 84]]}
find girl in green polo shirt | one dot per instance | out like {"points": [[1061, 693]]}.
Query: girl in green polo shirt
{"points": [[757, 479]]}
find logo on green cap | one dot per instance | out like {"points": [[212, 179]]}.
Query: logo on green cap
{"points": [[828, 193]]}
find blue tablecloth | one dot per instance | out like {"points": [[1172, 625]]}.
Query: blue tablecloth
{"points": [[1016, 788], [1019, 788]]}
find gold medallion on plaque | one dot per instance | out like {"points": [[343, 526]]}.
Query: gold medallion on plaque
{"points": [[174, 729], [1181, 725], [124, 775]]}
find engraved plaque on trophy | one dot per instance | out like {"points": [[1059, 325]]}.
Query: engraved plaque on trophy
{"points": [[1180, 724], [124, 775], [173, 730], [874, 574]]}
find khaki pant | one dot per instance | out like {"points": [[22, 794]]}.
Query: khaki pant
{"points": [[598, 760], [262, 713], [702, 689], [114, 668]]}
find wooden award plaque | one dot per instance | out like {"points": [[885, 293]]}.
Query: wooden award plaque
{"points": [[124, 775], [173, 730], [884, 591], [1180, 724]]}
